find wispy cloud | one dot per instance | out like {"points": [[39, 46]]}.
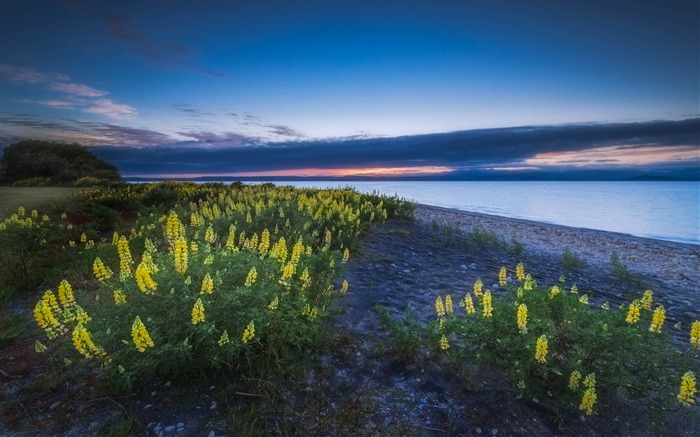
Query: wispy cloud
{"points": [[109, 108], [84, 132], [167, 54], [75, 95], [271, 128]]}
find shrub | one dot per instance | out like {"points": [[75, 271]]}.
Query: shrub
{"points": [[553, 345], [32, 182], [241, 278]]}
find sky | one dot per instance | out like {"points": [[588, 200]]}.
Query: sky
{"points": [[357, 88]]}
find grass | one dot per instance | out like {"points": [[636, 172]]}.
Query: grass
{"points": [[12, 198]]}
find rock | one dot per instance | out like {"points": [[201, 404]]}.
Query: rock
{"points": [[213, 405], [170, 428], [147, 406], [153, 393], [167, 384], [54, 406], [211, 434], [478, 430]]}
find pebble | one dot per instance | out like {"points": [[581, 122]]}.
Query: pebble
{"points": [[211, 434], [213, 405], [494, 431], [167, 384], [54, 406], [153, 393], [170, 428], [147, 406], [478, 430], [180, 426]]}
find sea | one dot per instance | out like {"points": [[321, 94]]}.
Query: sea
{"points": [[661, 210]]}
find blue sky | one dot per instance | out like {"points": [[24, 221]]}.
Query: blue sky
{"points": [[252, 78]]}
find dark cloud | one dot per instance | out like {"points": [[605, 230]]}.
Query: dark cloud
{"points": [[168, 54], [469, 149]]}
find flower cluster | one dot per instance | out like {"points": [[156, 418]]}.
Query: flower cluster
{"points": [[180, 256], [101, 271], [249, 332], [144, 280], [140, 335], [633, 313], [541, 349], [198, 312], [207, 284], [502, 276], [486, 305], [657, 320], [687, 391], [251, 277], [522, 318]]}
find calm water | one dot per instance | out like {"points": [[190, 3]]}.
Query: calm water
{"points": [[660, 210]]}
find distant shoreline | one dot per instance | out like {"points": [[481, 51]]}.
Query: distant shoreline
{"points": [[674, 263]]}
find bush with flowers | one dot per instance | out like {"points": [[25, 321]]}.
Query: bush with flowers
{"points": [[554, 346], [230, 277]]}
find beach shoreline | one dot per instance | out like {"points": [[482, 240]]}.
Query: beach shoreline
{"points": [[675, 264]]}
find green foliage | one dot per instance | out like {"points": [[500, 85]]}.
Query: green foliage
{"points": [[624, 355], [572, 260], [33, 162], [32, 182], [234, 304], [405, 333], [484, 238]]}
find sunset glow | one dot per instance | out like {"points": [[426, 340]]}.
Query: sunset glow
{"points": [[317, 172]]}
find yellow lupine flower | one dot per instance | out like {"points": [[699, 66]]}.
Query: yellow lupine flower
{"points": [[574, 380], [520, 272], [583, 299], [81, 315], [589, 380], [530, 283], [588, 400], [647, 299], [224, 338], [695, 334], [249, 332], [39, 347], [274, 304], [633, 313], [305, 279], [20, 211], [119, 297], [346, 255], [180, 255], [297, 250], [251, 277], [83, 343], [478, 285], [502, 276], [65, 294], [469, 304], [209, 235], [253, 244], [606, 305], [687, 390], [574, 289], [439, 307], [207, 285], [522, 318], [541, 349], [309, 311], [554, 291], [344, 287], [486, 305], [448, 304], [231, 240], [101, 271], [144, 280], [657, 320], [125, 259], [444, 345], [140, 336], [115, 238], [198, 312], [264, 245], [83, 237]]}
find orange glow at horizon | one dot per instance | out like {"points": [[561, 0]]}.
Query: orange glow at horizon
{"points": [[616, 155], [319, 172]]}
